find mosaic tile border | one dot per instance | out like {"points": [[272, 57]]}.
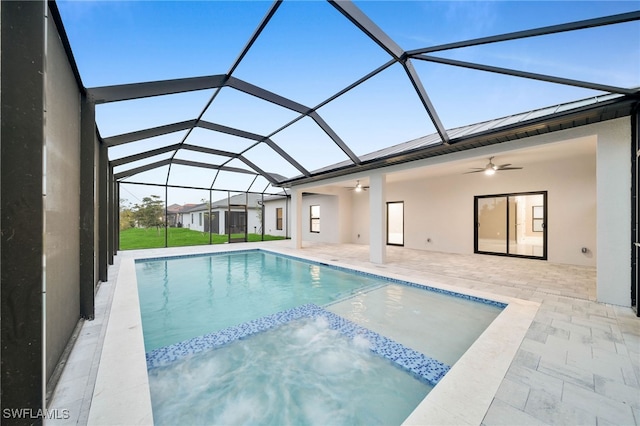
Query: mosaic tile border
{"points": [[497, 304], [418, 364], [186, 256]]}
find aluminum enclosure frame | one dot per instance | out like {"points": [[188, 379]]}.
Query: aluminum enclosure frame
{"points": [[351, 12]]}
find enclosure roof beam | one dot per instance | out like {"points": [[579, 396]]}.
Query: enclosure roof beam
{"points": [[126, 92], [229, 130], [252, 136], [366, 25], [199, 188], [258, 170], [287, 157], [211, 166], [334, 136], [212, 151], [375, 33], [143, 155], [148, 133], [261, 26], [553, 29], [530, 75], [272, 180], [141, 169], [426, 102], [274, 98], [266, 95]]}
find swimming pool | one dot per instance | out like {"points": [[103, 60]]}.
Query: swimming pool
{"points": [[243, 281], [184, 297]]}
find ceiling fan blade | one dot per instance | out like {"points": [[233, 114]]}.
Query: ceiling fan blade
{"points": [[510, 168], [504, 165], [475, 171]]}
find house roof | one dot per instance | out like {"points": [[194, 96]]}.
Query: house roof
{"points": [[252, 201], [174, 208], [499, 130]]}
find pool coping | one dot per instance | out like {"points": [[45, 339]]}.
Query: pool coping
{"points": [[463, 396]]}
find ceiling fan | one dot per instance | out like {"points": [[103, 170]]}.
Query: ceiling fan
{"points": [[359, 187], [491, 168]]}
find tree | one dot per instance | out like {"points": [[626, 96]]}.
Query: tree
{"points": [[127, 218], [150, 213]]}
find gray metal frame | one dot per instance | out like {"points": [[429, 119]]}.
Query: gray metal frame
{"points": [[22, 371], [445, 140]]}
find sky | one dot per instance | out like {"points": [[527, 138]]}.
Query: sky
{"points": [[308, 52]]}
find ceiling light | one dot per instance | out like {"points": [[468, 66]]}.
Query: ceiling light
{"points": [[489, 171], [490, 168], [358, 187]]}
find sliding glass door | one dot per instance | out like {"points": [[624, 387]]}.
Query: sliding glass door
{"points": [[511, 224]]}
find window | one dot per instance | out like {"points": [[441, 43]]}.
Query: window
{"points": [[200, 219], [315, 219], [279, 218], [191, 218]]}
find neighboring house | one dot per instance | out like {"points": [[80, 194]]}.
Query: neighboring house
{"points": [[234, 215], [172, 214], [175, 214], [194, 217]]}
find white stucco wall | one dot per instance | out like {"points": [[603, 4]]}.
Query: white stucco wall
{"points": [[443, 210], [614, 212], [270, 207], [194, 216], [329, 218], [588, 203]]}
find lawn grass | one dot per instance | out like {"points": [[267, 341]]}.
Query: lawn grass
{"points": [[139, 238]]}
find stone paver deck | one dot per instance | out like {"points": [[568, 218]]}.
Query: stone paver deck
{"points": [[579, 363]]}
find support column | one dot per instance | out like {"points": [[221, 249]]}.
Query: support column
{"points": [[115, 215], [613, 174], [635, 208], [22, 72], [103, 209], [111, 222], [117, 245], [378, 218], [296, 218], [87, 208]]}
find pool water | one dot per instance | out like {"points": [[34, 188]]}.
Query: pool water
{"points": [[228, 342], [300, 373], [438, 325], [186, 297]]}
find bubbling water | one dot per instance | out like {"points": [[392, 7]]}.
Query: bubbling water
{"points": [[299, 373]]}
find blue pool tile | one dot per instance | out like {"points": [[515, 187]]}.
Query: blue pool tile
{"points": [[416, 363]]}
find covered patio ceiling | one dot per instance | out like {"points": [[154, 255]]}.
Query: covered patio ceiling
{"points": [[324, 89]]}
